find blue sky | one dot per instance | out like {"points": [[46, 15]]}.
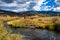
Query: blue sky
{"points": [[28, 5]]}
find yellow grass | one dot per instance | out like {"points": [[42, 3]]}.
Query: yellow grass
{"points": [[35, 20], [4, 34], [24, 22]]}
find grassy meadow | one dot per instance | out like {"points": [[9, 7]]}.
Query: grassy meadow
{"points": [[4, 34], [34, 21]]}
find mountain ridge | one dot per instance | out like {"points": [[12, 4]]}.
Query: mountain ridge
{"points": [[30, 12]]}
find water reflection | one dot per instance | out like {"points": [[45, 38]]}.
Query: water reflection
{"points": [[37, 34]]}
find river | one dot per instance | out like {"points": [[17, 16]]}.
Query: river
{"points": [[34, 34]]}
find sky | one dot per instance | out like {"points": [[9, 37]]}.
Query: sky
{"points": [[28, 5]]}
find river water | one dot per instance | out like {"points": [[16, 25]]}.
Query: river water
{"points": [[31, 34], [37, 34]]}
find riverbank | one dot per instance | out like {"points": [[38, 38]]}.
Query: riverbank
{"points": [[36, 22], [14, 27], [4, 33]]}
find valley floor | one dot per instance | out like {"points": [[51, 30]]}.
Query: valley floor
{"points": [[25, 21]]}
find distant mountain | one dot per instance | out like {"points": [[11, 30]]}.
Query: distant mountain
{"points": [[30, 12]]}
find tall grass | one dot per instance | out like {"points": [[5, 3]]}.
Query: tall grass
{"points": [[4, 34], [44, 22]]}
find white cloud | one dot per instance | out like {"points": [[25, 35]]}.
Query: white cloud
{"points": [[23, 6], [37, 7], [56, 9], [19, 7], [8, 5]]}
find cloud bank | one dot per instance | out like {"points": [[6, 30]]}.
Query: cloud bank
{"points": [[28, 5]]}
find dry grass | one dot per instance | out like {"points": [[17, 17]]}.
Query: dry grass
{"points": [[23, 22], [35, 20], [3, 18], [4, 34], [12, 37]]}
